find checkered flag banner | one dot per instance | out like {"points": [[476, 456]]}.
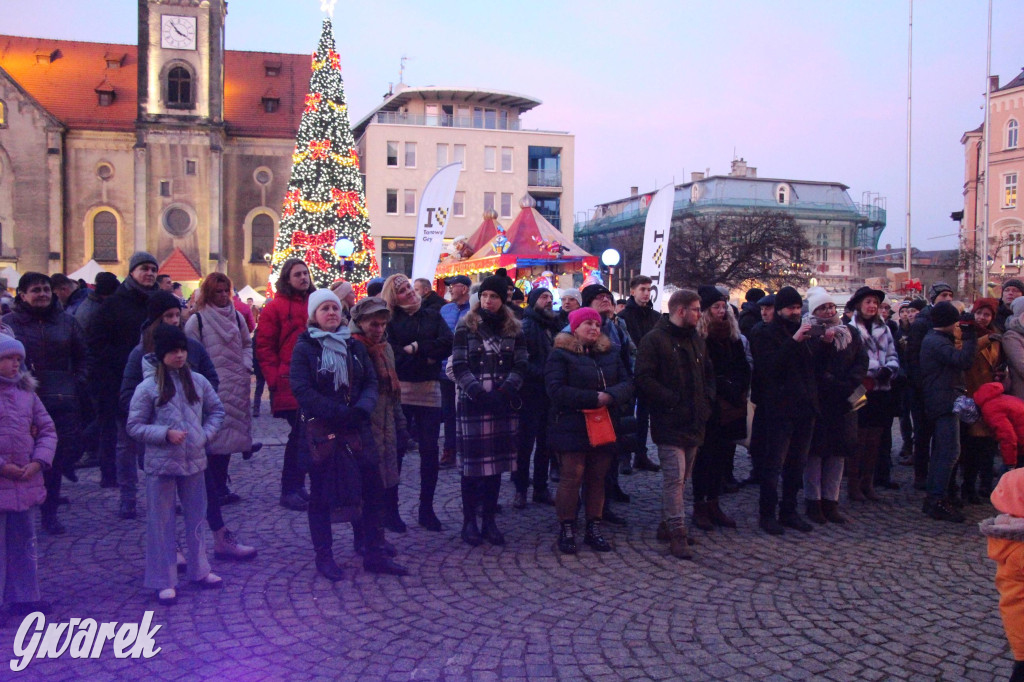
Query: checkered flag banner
{"points": [[656, 236]]}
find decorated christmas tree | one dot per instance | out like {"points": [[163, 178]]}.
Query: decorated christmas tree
{"points": [[324, 220]]}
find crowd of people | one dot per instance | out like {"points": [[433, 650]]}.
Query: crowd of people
{"points": [[132, 376]]}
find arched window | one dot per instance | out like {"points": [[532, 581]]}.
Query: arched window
{"points": [[104, 237], [782, 194], [179, 87], [262, 237], [3, 114], [1012, 130]]}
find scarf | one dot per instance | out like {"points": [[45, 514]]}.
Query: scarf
{"points": [[130, 282], [387, 379], [224, 325], [334, 358], [412, 308], [492, 321], [843, 336]]}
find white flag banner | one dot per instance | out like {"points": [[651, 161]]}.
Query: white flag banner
{"points": [[432, 219], [656, 235]]}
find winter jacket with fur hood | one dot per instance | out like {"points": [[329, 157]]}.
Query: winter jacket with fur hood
{"points": [[20, 410], [1006, 547], [149, 422], [573, 377]]}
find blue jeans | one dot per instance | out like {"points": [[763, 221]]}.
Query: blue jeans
{"points": [[161, 546], [945, 453]]}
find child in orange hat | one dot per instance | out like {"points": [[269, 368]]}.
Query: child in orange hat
{"points": [[1005, 535]]}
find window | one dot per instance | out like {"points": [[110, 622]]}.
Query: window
{"points": [[271, 69], [263, 176], [410, 154], [262, 237], [3, 114], [488, 201], [506, 205], [432, 114], [392, 202], [191, 167], [463, 119], [478, 117], [392, 154], [459, 155], [271, 104], [165, 188], [442, 155], [177, 221], [105, 97], [489, 156], [782, 194], [104, 171], [104, 237], [822, 250], [504, 120], [179, 88], [410, 202], [459, 204], [506, 159], [1012, 130], [1010, 190], [490, 119], [1014, 246]]}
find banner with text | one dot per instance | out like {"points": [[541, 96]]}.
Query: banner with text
{"points": [[656, 235], [432, 219]]}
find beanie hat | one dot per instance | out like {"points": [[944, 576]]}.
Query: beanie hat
{"points": [[918, 304], [341, 289], [106, 283], [159, 303], [11, 346], [592, 291], [581, 315], [535, 294], [1008, 497], [709, 296], [937, 289], [990, 303], [818, 298], [944, 314], [517, 295], [786, 297], [374, 286], [1015, 283], [754, 295], [318, 298], [1017, 308], [503, 273], [575, 293], [497, 285], [140, 257], [166, 338]]}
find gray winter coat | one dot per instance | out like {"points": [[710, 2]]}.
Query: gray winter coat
{"points": [[149, 423]]}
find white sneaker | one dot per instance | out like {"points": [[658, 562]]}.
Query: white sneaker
{"points": [[210, 582], [167, 597]]}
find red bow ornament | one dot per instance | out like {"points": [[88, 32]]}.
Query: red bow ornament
{"points": [[313, 245], [318, 149]]}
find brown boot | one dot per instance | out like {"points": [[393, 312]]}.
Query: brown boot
{"points": [[702, 516], [814, 512], [719, 517], [678, 546], [830, 510]]}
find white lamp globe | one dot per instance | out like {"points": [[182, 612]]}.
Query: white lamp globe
{"points": [[610, 257], [344, 248]]}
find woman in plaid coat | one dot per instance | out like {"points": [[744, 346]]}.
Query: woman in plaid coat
{"points": [[489, 362]]}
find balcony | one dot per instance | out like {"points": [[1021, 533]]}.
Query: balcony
{"points": [[445, 121], [545, 178]]}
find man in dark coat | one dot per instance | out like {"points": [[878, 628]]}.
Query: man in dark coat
{"points": [[57, 355], [640, 318], [758, 448], [114, 332], [939, 292], [750, 311], [431, 300], [540, 324], [676, 379], [451, 312], [1012, 288], [786, 369]]}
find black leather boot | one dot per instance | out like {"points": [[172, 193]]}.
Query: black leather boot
{"points": [[567, 538], [392, 520], [470, 531], [594, 538], [326, 565]]}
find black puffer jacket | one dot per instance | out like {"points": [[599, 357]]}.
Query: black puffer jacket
{"points": [[640, 319], [675, 377], [574, 376], [114, 332], [915, 338], [838, 373], [732, 386], [786, 370], [750, 315], [55, 349], [539, 332], [429, 330], [942, 370]]}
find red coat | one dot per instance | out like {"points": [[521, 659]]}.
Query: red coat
{"points": [[1004, 414], [281, 322]]}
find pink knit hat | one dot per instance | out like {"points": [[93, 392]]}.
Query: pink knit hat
{"points": [[1008, 497], [580, 315]]}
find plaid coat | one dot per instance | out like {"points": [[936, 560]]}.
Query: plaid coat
{"points": [[485, 361]]}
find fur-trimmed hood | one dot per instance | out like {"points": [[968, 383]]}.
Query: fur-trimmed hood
{"points": [[1003, 527], [510, 327], [26, 382], [572, 344]]}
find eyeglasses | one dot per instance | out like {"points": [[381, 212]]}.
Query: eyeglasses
{"points": [[693, 309]]}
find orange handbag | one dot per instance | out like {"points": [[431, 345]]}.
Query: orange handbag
{"points": [[600, 430]]}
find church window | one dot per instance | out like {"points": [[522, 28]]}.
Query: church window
{"points": [[263, 176], [191, 167], [104, 237], [177, 221], [3, 114], [262, 237], [179, 87], [104, 171]]}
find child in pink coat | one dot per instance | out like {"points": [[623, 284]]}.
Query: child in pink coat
{"points": [[28, 440], [1004, 414]]}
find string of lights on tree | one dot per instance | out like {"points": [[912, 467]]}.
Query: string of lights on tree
{"points": [[324, 219]]}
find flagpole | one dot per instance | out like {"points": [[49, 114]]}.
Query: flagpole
{"points": [[986, 144], [910, 76]]}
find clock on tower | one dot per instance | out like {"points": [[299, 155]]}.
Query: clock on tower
{"points": [[177, 32]]}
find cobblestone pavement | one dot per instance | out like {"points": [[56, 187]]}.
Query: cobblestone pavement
{"points": [[892, 595]]}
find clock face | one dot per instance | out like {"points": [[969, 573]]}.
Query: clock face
{"points": [[178, 33]]}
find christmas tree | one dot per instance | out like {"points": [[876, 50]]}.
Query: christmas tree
{"points": [[324, 211]]}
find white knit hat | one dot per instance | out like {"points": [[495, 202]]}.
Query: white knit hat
{"points": [[818, 297], [318, 298]]}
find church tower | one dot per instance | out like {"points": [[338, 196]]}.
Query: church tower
{"points": [[180, 130]]}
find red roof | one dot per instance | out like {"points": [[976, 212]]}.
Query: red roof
{"points": [[63, 76], [484, 233], [180, 268]]}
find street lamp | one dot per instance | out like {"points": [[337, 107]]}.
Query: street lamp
{"points": [[610, 258]]}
